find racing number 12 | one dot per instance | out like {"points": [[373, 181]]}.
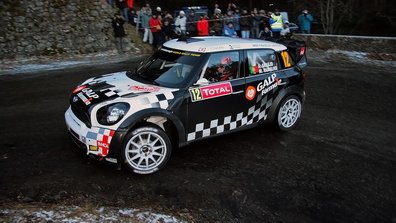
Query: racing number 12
{"points": [[285, 57], [195, 94]]}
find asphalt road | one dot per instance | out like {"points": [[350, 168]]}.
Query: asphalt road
{"points": [[338, 165]]}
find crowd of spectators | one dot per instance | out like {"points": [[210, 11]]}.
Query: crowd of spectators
{"points": [[158, 26]]}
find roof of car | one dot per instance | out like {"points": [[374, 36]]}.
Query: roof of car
{"points": [[217, 43]]}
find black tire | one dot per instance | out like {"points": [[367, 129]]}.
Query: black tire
{"points": [[146, 150], [288, 113]]}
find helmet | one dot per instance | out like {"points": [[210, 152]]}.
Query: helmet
{"points": [[226, 60]]}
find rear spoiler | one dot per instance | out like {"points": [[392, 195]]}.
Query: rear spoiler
{"points": [[297, 50]]}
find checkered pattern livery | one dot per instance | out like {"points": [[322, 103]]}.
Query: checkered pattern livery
{"points": [[217, 126], [102, 137], [161, 100]]}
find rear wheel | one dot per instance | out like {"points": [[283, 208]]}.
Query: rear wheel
{"points": [[289, 113], [146, 150]]}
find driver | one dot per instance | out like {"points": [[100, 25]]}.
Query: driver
{"points": [[220, 73]]}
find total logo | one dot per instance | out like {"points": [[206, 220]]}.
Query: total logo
{"points": [[211, 91]]}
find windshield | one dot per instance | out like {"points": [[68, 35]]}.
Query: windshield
{"points": [[169, 68]]}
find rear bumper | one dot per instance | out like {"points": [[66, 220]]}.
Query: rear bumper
{"points": [[93, 140]]}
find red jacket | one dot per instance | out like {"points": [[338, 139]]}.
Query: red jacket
{"points": [[203, 27], [155, 25]]}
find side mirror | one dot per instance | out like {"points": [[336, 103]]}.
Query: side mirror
{"points": [[202, 81]]}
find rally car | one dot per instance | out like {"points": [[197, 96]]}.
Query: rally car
{"points": [[188, 90]]}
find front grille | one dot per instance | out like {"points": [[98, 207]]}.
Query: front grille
{"points": [[81, 114]]}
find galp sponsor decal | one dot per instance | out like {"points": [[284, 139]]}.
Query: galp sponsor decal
{"points": [[269, 84], [86, 95], [145, 88], [211, 91]]}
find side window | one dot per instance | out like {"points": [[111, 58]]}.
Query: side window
{"points": [[262, 61], [222, 66]]}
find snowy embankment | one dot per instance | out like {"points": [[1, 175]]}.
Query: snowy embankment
{"points": [[82, 214]]}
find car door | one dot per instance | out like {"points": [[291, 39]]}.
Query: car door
{"points": [[213, 107], [264, 79]]}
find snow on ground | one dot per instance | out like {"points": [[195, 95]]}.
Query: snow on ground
{"points": [[76, 214], [41, 63], [352, 58]]}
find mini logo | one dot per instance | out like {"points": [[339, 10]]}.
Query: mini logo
{"points": [[250, 93], [75, 99]]}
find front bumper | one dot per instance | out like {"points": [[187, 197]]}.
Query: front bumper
{"points": [[94, 140]]}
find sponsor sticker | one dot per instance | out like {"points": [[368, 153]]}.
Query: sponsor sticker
{"points": [[250, 93], [84, 99], [93, 148], [183, 53], [212, 91], [269, 84], [79, 88], [145, 88], [86, 94], [286, 59], [263, 68], [104, 147]]}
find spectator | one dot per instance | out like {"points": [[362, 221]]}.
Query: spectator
{"points": [[256, 20], [235, 21], [231, 7], [132, 16], [245, 24], [156, 30], [264, 21], [203, 26], [145, 14], [122, 5], [276, 22], [304, 21], [119, 32], [228, 18], [216, 7], [180, 23], [111, 2], [129, 4], [191, 24], [169, 17], [229, 30], [168, 30], [159, 13], [217, 24], [265, 34], [285, 32]]}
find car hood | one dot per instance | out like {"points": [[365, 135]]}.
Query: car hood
{"points": [[109, 87]]}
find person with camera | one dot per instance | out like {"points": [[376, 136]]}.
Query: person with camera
{"points": [[304, 21], [119, 32]]}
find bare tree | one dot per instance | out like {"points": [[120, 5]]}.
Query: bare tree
{"points": [[335, 12]]}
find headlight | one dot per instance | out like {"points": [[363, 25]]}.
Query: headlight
{"points": [[111, 114]]}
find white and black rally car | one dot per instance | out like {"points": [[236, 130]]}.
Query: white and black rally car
{"points": [[188, 90]]}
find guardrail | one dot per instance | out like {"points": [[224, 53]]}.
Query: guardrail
{"points": [[368, 44]]}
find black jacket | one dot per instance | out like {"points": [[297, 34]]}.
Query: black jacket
{"points": [[118, 26]]}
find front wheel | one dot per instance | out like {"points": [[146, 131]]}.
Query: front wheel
{"points": [[289, 113], [146, 150]]}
